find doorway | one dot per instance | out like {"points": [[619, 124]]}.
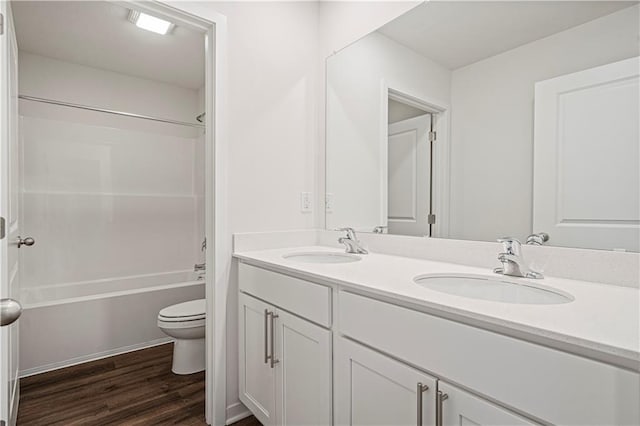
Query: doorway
{"points": [[412, 194], [40, 117]]}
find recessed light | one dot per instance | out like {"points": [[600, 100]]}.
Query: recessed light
{"points": [[150, 23]]}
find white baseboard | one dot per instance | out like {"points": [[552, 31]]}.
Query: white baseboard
{"points": [[93, 357], [236, 412]]}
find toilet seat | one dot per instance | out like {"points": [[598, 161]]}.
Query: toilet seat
{"points": [[189, 312], [174, 325]]}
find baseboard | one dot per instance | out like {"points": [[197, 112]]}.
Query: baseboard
{"points": [[93, 357], [236, 412]]}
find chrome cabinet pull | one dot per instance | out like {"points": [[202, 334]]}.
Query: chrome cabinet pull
{"points": [[420, 389], [272, 357], [266, 336], [440, 399]]}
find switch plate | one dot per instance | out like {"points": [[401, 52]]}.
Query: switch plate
{"points": [[328, 202], [306, 203]]}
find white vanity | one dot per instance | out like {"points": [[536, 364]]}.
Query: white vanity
{"points": [[326, 341]]}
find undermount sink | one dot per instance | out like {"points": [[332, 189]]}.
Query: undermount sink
{"points": [[322, 257], [497, 289]]}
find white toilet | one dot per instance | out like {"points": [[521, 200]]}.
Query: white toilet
{"points": [[185, 322]]}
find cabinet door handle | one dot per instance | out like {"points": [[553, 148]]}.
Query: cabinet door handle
{"points": [[420, 389], [440, 398], [272, 357], [266, 336]]}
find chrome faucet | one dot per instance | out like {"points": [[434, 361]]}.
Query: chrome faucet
{"points": [[351, 242], [537, 239], [513, 263]]}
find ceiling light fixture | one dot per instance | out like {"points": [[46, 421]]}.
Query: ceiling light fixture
{"points": [[150, 23]]}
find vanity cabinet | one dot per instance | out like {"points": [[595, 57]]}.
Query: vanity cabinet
{"points": [[285, 360], [554, 386], [458, 408], [373, 389], [373, 361]]}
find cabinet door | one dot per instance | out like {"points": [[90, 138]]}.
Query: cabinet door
{"points": [[462, 408], [257, 378], [303, 372], [372, 389]]}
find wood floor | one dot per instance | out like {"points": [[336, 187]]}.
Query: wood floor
{"points": [[137, 388]]}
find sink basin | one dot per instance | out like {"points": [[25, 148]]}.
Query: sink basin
{"points": [[322, 257], [497, 289]]}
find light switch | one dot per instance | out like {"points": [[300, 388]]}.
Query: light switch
{"points": [[328, 202], [306, 203]]}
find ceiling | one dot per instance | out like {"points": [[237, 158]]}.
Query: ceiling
{"points": [[459, 33], [97, 34]]}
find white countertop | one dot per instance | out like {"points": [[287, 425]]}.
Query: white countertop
{"points": [[602, 323]]}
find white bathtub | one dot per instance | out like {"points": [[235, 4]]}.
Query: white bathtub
{"points": [[68, 324]]}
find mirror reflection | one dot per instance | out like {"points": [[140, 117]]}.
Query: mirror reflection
{"points": [[476, 120]]}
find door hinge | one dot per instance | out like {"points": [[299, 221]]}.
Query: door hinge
{"points": [[1, 23], [432, 136], [2, 228], [431, 219]]}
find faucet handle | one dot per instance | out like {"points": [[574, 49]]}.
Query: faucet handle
{"points": [[351, 233], [511, 245]]}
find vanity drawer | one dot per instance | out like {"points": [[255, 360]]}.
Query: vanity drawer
{"points": [[303, 298], [549, 384]]}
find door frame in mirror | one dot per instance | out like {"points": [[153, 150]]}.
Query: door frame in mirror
{"points": [[441, 153]]}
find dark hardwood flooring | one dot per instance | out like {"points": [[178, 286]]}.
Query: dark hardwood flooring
{"points": [[137, 388], [249, 421]]}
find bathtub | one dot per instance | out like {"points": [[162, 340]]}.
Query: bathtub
{"points": [[68, 324]]}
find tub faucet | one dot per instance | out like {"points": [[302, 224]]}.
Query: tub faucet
{"points": [[513, 263], [351, 242], [199, 267]]}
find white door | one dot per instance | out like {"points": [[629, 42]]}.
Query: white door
{"points": [[257, 375], [460, 408], [303, 372], [10, 213], [409, 176], [372, 389], [587, 158]]}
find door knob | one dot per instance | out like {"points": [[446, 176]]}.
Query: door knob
{"points": [[25, 242], [10, 310]]}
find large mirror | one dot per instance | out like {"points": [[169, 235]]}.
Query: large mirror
{"points": [[476, 120]]}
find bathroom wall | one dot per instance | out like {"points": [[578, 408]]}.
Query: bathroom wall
{"points": [[481, 181], [54, 79], [271, 111], [355, 120], [106, 196], [343, 23]]}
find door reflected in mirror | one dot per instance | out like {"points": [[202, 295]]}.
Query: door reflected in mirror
{"points": [[475, 120]]}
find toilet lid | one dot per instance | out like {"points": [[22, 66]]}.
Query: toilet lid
{"points": [[192, 310]]}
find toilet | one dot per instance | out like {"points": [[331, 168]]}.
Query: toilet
{"points": [[185, 322]]}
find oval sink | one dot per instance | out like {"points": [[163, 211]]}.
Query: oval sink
{"points": [[322, 257], [496, 289]]}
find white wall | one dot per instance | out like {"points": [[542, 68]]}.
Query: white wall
{"points": [[273, 100], [400, 112], [105, 89], [356, 140], [342, 23], [492, 122]]}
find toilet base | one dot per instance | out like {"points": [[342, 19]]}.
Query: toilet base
{"points": [[188, 356]]}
